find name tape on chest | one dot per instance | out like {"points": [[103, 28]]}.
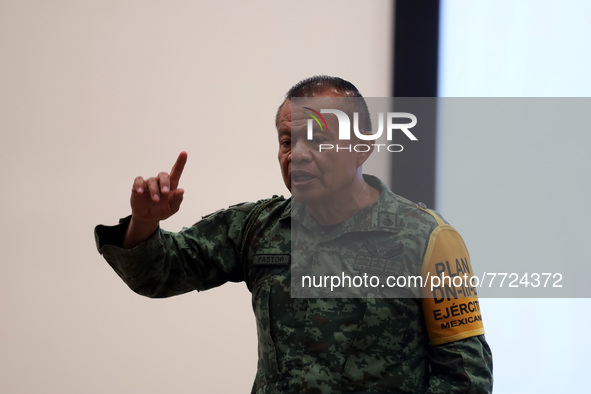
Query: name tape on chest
{"points": [[271, 259]]}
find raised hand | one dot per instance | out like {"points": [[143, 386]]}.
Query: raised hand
{"points": [[152, 200]]}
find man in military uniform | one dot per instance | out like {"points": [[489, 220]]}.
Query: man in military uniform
{"points": [[337, 221]]}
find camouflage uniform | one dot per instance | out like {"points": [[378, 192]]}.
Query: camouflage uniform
{"points": [[316, 345]]}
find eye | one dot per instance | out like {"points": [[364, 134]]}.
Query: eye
{"points": [[285, 143], [318, 139]]}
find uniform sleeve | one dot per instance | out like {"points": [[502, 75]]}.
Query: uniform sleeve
{"points": [[460, 358], [201, 257], [463, 366]]}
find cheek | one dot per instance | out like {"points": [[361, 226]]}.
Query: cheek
{"points": [[283, 163], [282, 157]]}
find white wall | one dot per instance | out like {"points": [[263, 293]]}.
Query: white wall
{"points": [[535, 194], [93, 93]]}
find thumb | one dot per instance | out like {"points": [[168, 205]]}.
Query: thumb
{"points": [[176, 199]]}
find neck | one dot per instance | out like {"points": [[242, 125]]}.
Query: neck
{"points": [[344, 205]]}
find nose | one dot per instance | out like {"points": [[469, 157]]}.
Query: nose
{"points": [[300, 151]]}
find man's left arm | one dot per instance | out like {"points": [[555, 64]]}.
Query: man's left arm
{"points": [[460, 358], [463, 366]]}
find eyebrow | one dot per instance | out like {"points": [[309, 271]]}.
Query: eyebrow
{"points": [[283, 130]]}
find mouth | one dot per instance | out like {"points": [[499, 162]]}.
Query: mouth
{"points": [[301, 178]]}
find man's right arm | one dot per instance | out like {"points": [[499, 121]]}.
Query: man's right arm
{"points": [[157, 263], [200, 257]]}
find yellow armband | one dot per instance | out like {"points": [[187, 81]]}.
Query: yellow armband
{"points": [[450, 304]]}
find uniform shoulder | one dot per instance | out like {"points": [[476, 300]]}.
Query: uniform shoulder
{"points": [[418, 211], [247, 208], [260, 205]]}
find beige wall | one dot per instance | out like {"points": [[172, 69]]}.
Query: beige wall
{"points": [[93, 93]]}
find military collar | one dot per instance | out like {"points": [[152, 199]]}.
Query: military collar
{"points": [[286, 214]]}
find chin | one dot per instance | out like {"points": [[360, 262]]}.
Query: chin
{"points": [[305, 196], [300, 195]]}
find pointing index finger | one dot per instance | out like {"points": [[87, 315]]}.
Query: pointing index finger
{"points": [[177, 170]]}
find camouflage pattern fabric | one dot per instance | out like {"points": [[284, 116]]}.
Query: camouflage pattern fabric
{"points": [[308, 345]]}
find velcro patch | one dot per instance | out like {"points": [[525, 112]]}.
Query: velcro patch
{"points": [[377, 266]]}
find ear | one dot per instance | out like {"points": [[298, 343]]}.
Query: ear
{"points": [[363, 156]]}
